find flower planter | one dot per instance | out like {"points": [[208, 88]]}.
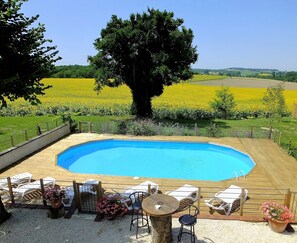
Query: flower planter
{"points": [[278, 216], [57, 203], [277, 226]]}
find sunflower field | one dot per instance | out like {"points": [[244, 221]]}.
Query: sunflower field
{"points": [[180, 101]]}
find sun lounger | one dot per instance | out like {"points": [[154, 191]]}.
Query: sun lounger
{"points": [[185, 191], [24, 189], [16, 179], [224, 200], [143, 187], [186, 195]]}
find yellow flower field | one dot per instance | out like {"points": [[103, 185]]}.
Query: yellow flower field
{"points": [[81, 91], [75, 92]]}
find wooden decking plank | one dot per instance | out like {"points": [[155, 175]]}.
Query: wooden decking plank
{"points": [[274, 169]]}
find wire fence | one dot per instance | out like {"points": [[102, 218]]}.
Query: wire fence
{"points": [[148, 128], [17, 137], [175, 129]]}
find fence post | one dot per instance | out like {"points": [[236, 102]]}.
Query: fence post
{"points": [[79, 127], [270, 132], [10, 190], [99, 191], [56, 122], [38, 130], [76, 196], [149, 189], [287, 200], [159, 128], [42, 192], [195, 129], [90, 127], [199, 197], [47, 126], [11, 140], [26, 135], [252, 131], [241, 201]]}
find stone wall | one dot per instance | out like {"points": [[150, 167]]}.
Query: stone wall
{"points": [[18, 152]]}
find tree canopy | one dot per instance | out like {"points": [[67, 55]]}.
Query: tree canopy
{"points": [[224, 103], [275, 103], [24, 57], [146, 52]]}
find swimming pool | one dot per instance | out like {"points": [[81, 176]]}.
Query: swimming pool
{"points": [[156, 159]]}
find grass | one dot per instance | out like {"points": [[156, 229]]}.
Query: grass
{"points": [[16, 126]]}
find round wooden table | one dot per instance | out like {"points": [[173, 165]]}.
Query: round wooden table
{"points": [[160, 207]]}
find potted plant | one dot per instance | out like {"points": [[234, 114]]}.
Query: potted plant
{"points": [[111, 207], [278, 216], [55, 195]]}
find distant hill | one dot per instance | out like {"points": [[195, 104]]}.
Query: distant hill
{"points": [[252, 69], [238, 71]]}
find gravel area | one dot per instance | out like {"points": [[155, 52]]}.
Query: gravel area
{"points": [[33, 225]]}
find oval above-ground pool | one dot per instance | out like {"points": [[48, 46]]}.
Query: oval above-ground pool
{"points": [[156, 159]]}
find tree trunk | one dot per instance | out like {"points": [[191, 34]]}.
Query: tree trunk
{"points": [[4, 215], [161, 229], [142, 105]]}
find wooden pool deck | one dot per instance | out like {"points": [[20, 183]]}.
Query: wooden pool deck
{"points": [[275, 170]]}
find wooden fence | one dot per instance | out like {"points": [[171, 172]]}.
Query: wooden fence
{"points": [[85, 200]]}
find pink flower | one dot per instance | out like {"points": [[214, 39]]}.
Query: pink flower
{"points": [[273, 210]]}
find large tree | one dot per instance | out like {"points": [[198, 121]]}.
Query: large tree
{"points": [[274, 102], [24, 57], [145, 52]]}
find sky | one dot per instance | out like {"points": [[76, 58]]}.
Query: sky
{"points": [[228, 33]]}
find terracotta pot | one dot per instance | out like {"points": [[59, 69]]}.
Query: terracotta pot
{"points": [[56, 204], [277, 226]]}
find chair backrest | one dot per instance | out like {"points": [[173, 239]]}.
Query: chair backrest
{"points": [[194, 210], [137, 197]]}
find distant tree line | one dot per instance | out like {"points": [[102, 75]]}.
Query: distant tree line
{"points": [[222, 72], [73, 71], [81, 71], [252, 73], [282, 76]]}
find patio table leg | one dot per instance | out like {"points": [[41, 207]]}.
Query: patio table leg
{"points": [[161, 229]]}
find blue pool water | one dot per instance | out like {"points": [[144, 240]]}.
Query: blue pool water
{"points": [[156, 159]]}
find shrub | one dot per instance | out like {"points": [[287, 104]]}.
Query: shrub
{"points": [[213, 130], [141, 127], [73, 124], [122, 127]]}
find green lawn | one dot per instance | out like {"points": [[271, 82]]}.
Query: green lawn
{"points": [[16, 127]]}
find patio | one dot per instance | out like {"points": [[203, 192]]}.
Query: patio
{"points": [[28, 225]]}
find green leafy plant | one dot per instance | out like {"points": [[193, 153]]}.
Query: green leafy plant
{"points": [[213, 130], [142, 127], [224, 103], [72, 122]]}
